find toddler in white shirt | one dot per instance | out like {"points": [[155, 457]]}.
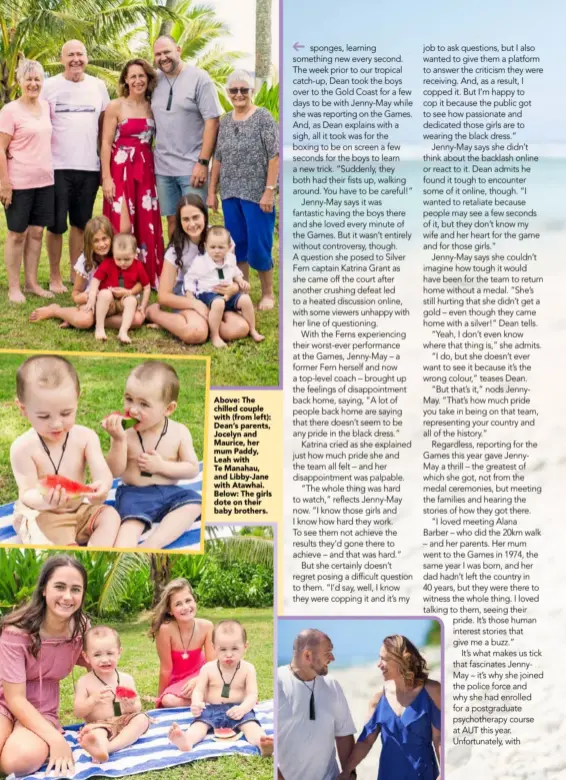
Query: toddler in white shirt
{"points": [[205, 273]]}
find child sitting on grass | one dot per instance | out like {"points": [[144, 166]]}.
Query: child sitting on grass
{"points": [[98, 693], [47, 394], [205, 273], [151, 458], [225, 693], [112, 290]]}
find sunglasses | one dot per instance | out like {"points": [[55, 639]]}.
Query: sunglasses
{"points": [[241, 90]]}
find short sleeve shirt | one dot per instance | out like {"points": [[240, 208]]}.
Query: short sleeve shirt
{"points": [[75, 111], [307, 748], [204, 275], [190, 251], [29, 152], [179, 131], [109, 275], [80, 269], [244, 150]]}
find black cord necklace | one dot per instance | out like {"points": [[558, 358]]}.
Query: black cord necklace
{"points": [[225, 693], [312, 711], [48, 452], [115, 704], [171, 85], [186, 649], [163, 432]]}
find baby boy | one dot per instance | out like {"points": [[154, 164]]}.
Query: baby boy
{"points": [[228, 685], [47, 394], [97, 694], [151, 458]]}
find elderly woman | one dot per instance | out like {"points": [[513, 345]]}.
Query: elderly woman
{"points": [[407, 714], [26, 179], [246, 163], [126, 156]]}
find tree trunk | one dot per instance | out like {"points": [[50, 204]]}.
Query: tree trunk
{"points": [[167, 26], [160, 566], [262, 42]]}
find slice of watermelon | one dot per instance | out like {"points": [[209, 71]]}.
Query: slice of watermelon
{"points": [[224, 733], [57, 481], [125, 693], [127, 420]]}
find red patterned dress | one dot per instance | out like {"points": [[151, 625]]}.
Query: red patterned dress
{"points": [[132, 171]]}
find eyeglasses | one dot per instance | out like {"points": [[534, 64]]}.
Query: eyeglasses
{"points": [[241, 90]]}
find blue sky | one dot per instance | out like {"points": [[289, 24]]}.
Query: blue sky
{"points": [[355, 641]]}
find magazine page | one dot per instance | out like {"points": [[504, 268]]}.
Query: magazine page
{"points": [[141, 436], [423, 233]]}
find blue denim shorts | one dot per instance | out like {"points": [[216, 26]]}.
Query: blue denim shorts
{"points": [[214, 715], [170, 189], [208, 297], [150, 504]]}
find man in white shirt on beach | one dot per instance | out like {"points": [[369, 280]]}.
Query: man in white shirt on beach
{"points": [[314, 721]]}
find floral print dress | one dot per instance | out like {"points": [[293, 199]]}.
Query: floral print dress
{"points": [[132, 171]]}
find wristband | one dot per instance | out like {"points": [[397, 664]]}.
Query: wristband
{"points": [[201, 161]]}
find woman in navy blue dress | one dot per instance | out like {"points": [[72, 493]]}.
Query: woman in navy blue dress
{"points": [[406, 712]]}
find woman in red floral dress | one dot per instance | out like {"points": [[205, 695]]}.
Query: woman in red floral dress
{"points": [[128, 177]]}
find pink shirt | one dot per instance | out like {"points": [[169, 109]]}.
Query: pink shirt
{"points": [[29, 151], [41, 675]]}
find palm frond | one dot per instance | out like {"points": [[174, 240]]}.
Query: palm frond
{"points": [[116, 584]]}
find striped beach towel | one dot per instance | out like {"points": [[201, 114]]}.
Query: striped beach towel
{"points": [[190, 540], [154, 751]]}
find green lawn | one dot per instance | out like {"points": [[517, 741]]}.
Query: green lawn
{"points": [[102, 388], [139, 658], [243, 363]]}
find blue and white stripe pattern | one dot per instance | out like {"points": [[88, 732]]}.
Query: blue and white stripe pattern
{"points": [[154, 751], [190, 540]]}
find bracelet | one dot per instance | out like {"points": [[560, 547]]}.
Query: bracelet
{"points": [[270, 187]]}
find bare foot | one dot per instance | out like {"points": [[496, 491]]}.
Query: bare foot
{"points": [[39, 291], [64, 325], [100, 334], [94, 746], [152, 325], [57, 287], [16, 296], [217, 342], [265, 746], [257, 337], [124, 338], [266, 303], [43, 313], [178, 737]]}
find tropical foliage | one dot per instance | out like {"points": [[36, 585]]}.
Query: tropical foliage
{"points": [[127, 583], [113, 30]]}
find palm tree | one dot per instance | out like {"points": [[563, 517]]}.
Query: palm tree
{"points": [[262, 41], [255, 545]]}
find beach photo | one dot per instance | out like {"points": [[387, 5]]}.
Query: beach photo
{"points": [[359, 695], [104, 451], [114, 664], [139, 180]]}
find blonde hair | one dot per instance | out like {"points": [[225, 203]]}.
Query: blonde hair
{"points": [[91, 229], [412, 666], [162, 612], [98, 632], [120, 240], [45, 371], [229, 627], [156, 371]]}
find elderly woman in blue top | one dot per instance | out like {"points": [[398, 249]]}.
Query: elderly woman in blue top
{"points": [[407, 714], [246, 164]]}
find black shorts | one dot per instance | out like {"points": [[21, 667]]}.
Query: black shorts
{"points": [[75, 193], [30, 207]]}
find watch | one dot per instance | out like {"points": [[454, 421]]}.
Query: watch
{"points": [[203, 162]]}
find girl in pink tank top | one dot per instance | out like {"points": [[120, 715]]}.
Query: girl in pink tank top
{"points": [[40, 642], [183, 642]]}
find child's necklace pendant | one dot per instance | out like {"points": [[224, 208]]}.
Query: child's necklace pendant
{"points": [[225, 691], [185, 656], [117, 708]]}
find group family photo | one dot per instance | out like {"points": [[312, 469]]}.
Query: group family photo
{"points": [[139, 168], [115, 664], [104, 453], [359, 698]]}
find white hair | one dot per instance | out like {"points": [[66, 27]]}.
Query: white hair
{"points": [[240, 75], [28, 66]]}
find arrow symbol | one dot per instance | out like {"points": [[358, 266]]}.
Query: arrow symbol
{"points": [[298, 46]]}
